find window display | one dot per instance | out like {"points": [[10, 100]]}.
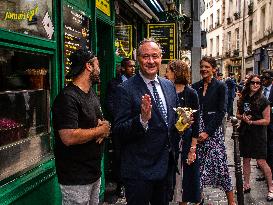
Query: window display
{"points": [[24, 110], [123, 41], [28, 17]]}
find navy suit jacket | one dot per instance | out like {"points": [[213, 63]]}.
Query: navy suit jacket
{"points": [[112, 95], [145, 155], [213, 105], [232, 87]]}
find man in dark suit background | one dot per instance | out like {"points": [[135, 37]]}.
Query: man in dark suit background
{"points": [[232, 88], [267, 76], [127, 70], [145, 122]]}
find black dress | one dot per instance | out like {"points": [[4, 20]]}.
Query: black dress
{"points": [[253, 138], [191, 175]]}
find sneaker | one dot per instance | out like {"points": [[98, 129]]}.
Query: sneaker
{"points": [[269, 196]]}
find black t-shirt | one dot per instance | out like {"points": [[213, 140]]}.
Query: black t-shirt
{"points": [[72, 109]]}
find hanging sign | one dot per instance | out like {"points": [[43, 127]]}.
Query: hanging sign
{"points": [[104, 6], [164, 34], [123, 41]]}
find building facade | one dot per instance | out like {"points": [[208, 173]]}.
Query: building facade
{"points": [[247, 36], [262, 35], [211, 20]]}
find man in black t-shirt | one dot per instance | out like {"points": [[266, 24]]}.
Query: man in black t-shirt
{"points": [[79, 130]]}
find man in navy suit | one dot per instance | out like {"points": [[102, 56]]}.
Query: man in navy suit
{"points": [[268, 93], [144, 122], [127, 70]]}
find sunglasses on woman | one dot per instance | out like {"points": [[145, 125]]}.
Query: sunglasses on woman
{"points": [[255, 82]]}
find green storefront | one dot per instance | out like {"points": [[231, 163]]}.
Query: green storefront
{"points": [[36, 39]]}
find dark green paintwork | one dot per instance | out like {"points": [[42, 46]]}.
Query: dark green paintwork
{"points": [[39, 185]]}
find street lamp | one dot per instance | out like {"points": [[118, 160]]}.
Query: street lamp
{"points": [[270, 58]]}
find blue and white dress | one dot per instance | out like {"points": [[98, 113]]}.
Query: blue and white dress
{"points": [[213, 160]]}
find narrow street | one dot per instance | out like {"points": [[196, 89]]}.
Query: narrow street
{"points": [[258, 192]]}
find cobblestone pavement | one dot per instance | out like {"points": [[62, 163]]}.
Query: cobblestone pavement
{"points": [[258, 193]]}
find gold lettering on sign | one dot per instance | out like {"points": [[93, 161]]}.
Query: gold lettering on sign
{"points": [[27, 15]]}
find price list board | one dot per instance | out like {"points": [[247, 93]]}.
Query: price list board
{"points": [[123, 41], [76, 34], [164, 34]]}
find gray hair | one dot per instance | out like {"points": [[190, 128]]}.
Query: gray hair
{"points": [[148, 40]]}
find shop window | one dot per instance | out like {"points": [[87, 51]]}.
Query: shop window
{"points": [[28, 17], [123, 41], [24, 110]]}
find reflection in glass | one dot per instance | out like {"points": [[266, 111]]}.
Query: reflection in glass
{"points": [[24, 111]]}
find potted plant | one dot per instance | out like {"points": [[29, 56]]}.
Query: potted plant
{"points": [[250, 8], [236, 15], [236, 52], [229, 20]]}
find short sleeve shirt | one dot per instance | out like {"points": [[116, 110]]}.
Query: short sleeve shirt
{"points": [[73, 109]]}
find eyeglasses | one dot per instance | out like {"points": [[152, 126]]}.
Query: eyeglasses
{"points": [[255, 82], [153, 56]]}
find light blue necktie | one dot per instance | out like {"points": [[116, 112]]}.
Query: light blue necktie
{"points": [[159, 103]]}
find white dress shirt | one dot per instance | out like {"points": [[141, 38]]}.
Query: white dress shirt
{"points": [[267, 91], [159, 90]]}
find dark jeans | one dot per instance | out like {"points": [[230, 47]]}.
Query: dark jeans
{"points": [[270, 149], [143, 192], [230, 106], [116, 163]]}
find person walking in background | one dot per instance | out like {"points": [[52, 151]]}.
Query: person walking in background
{"points": [[144, 123], [127, 70], [178, 72], [267, 77], [254, 113], [220, 77], [211, 148], [79, 130], [232, 88]]}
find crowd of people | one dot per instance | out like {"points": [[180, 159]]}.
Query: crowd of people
{"points": [[152, 158]]}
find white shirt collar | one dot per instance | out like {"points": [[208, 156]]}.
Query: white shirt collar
{"points": [[146, 80], [269, 87], [124, 78]]}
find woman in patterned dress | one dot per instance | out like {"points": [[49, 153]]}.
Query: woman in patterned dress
{"points": [[254, 113], [178, 72], [211, 148]]}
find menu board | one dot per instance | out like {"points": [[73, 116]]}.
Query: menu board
{"points": [[76, 34], [164, 34], [123, 41]]}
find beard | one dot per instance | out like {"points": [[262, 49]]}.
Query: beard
{"points": [[95, 79]]}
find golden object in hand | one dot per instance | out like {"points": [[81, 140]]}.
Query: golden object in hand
{"points": [[184, 118]]}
